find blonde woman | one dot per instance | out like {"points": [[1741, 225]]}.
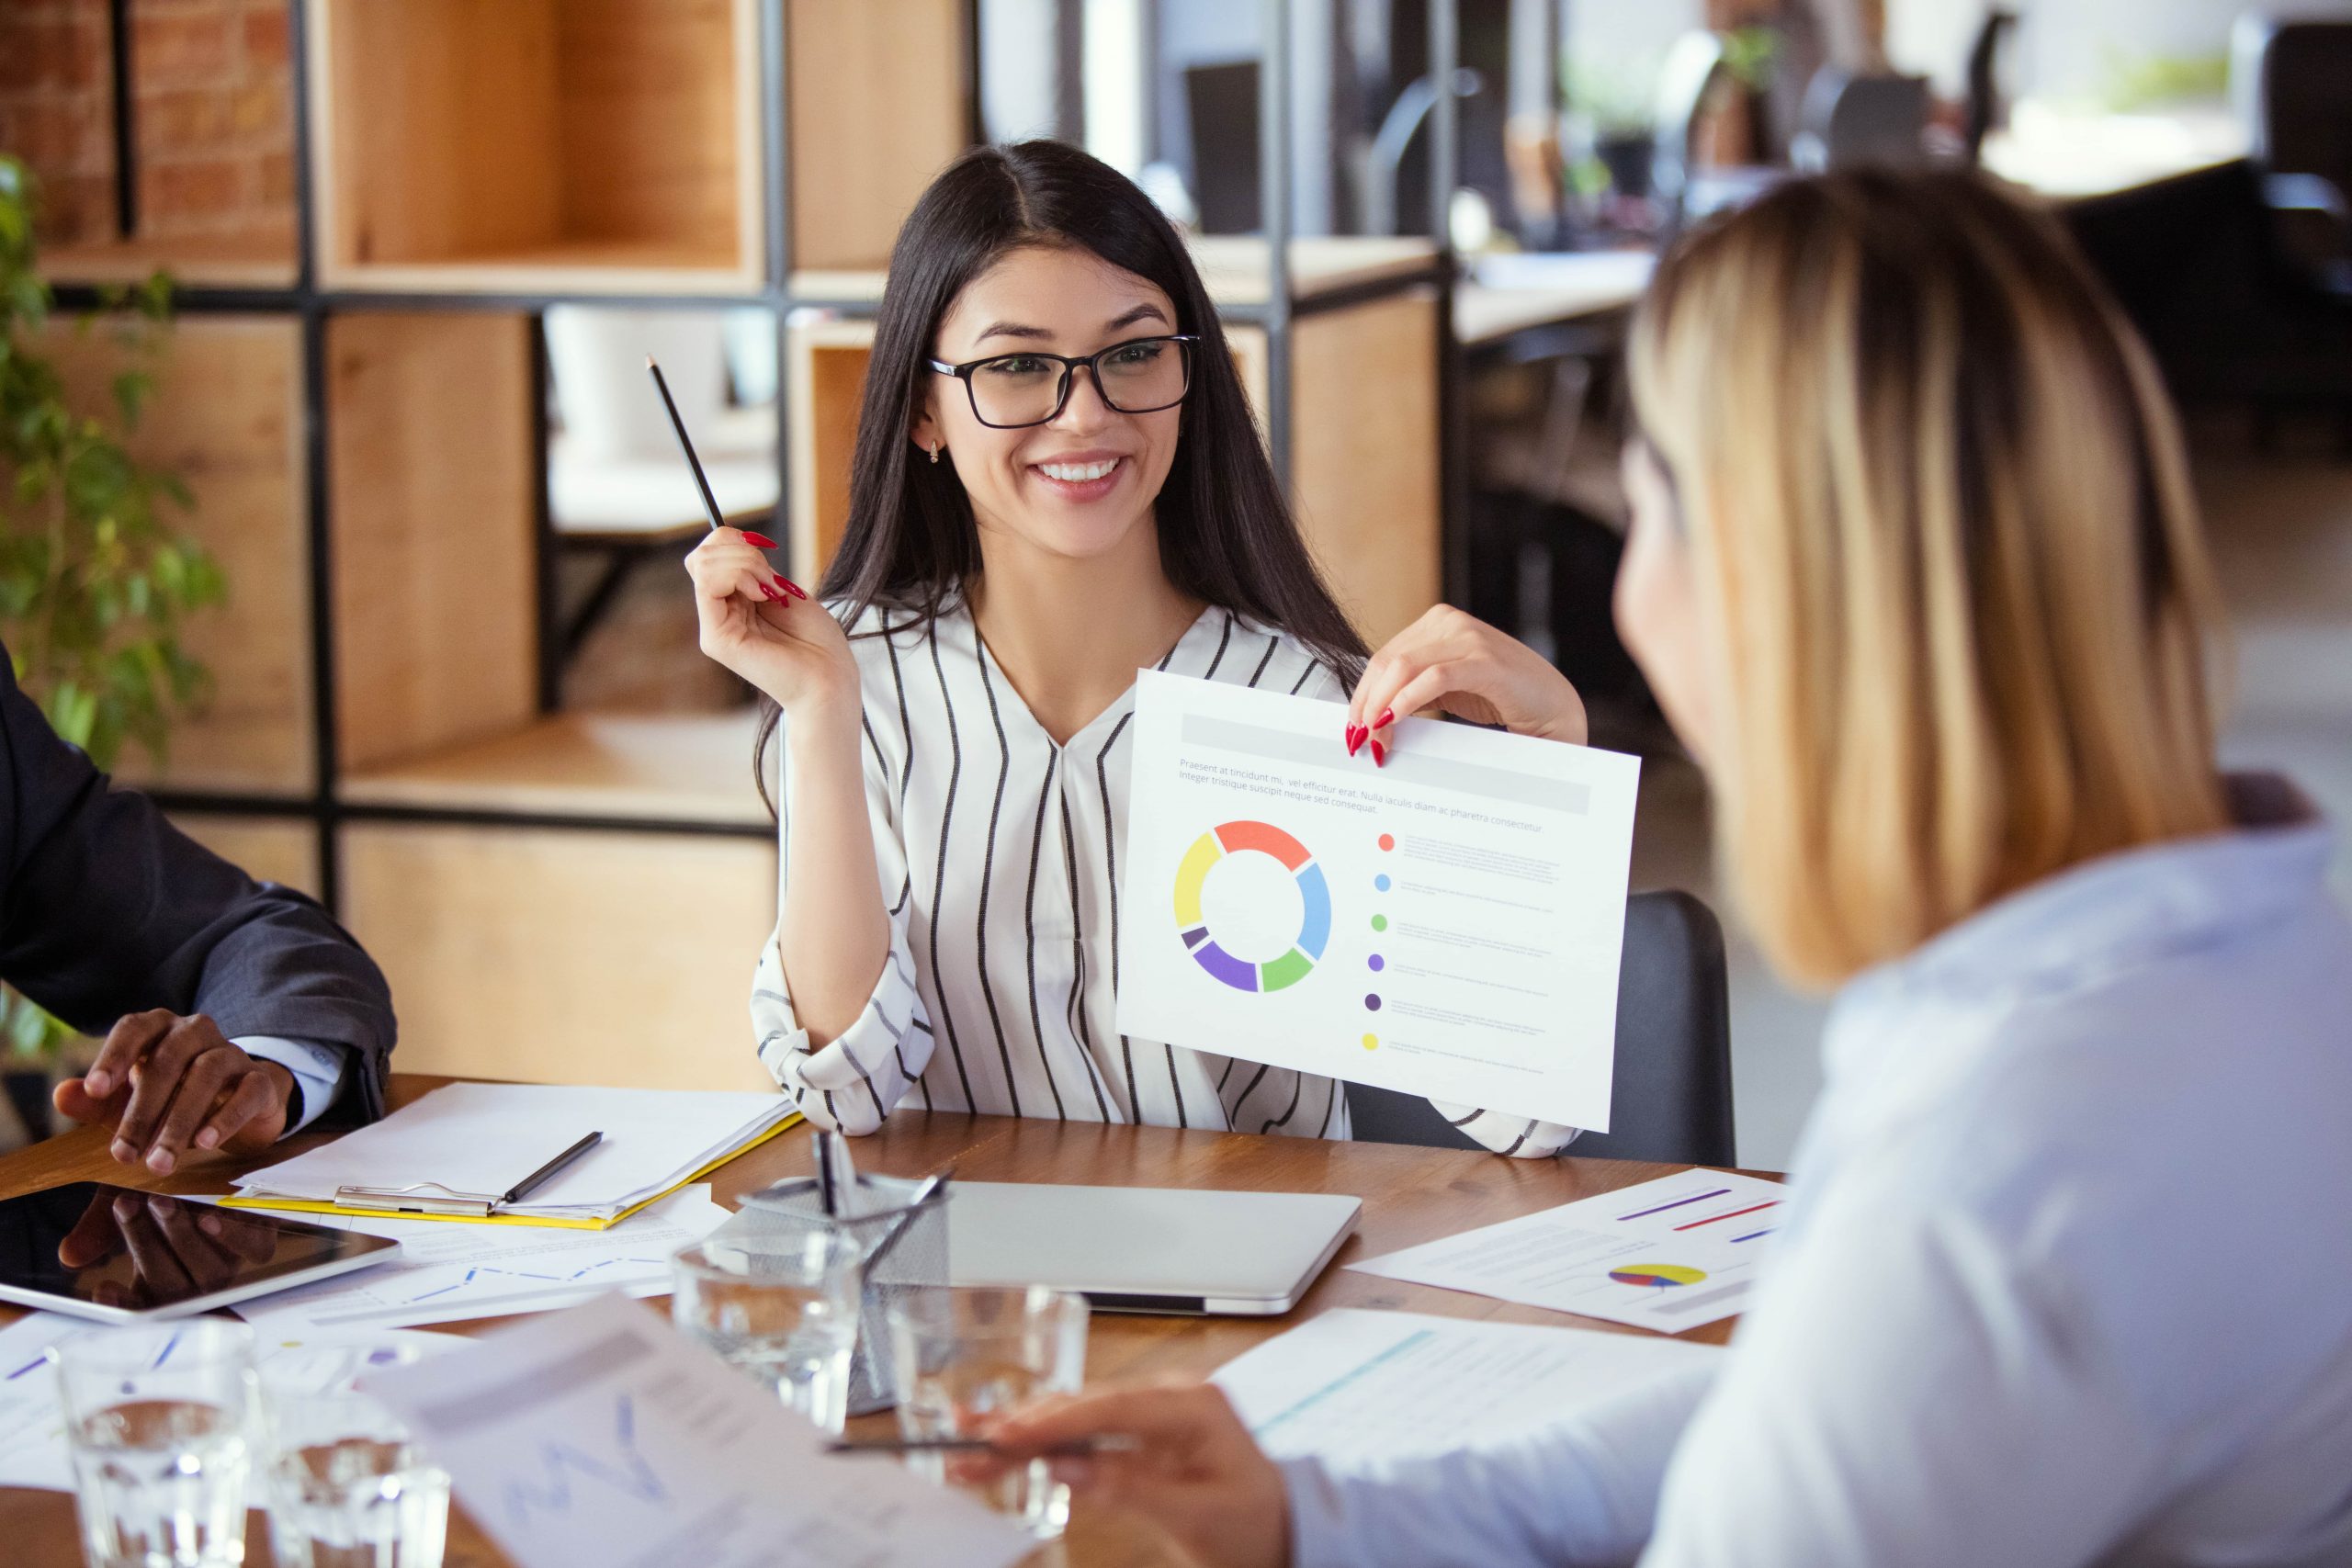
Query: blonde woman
{"points": [[1916, 571]]}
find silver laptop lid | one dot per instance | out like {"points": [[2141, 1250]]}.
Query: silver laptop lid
{"points": [[1147, 1248]]}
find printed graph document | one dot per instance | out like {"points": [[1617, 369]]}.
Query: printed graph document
{"points": [[1668, 1254], [32, 1420], [484, 1138], [446, 1274], [599, 1435], [1448, 925], [1376, 1386]]}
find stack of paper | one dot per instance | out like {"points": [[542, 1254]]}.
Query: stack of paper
{"points": [[1366, 1387], [447, 1273], [485, 1138]]}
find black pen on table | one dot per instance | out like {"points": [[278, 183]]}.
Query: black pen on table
{"points": [[1080, 1447], [701, 479], [540, 1177]]}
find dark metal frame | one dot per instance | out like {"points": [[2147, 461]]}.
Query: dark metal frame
{"points": [[313, 306]]}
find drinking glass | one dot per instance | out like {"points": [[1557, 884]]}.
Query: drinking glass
{"points": [[781, 1308], [159, 1418], [347, 1484], [961, 1357]]}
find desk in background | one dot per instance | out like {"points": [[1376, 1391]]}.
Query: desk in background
{"points": [[1410, 1196]]}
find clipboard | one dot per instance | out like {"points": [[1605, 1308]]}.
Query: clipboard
{"points": [[317, 1206]]}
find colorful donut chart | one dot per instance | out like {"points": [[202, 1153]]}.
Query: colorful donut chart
{"points": [[1314, 926]]}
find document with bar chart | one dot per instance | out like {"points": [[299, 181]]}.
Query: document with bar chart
{"points": [[1669, 1255], [1448, 925]]}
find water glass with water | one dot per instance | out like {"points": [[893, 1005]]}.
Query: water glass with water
{"points": [[782, 1309], [160, 1420], [962, 1356], [347, 1484]]}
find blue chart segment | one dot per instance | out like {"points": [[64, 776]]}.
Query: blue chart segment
{"points": [[569, 1470], [577, 1274], [1315, 898]]}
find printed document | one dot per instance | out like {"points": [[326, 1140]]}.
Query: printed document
{"points": [[1369, 1387], [1448, 925], [1667, 1255], [33, 1449], [446, 1273], [601, 1434]]}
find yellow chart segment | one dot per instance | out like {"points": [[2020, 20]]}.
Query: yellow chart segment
{"points": [[1194, 874]]}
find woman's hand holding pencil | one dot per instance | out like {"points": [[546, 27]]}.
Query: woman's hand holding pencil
{"points": [[759, 625]]}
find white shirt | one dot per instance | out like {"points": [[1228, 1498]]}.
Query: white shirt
{"points": [[999, 854], [2067, 1278], [318, 1068]]}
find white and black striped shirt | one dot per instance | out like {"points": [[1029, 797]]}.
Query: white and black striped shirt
{"points": [[999, 856]]}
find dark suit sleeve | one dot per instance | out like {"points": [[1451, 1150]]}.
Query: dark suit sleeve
{"points": [[109, 910]]}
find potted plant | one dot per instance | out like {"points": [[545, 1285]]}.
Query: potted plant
{"points": [[93, 577]]}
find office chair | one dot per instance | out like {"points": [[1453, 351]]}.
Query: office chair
{"points": [[1671, 1100], [1984, 106], [2291, 83]]}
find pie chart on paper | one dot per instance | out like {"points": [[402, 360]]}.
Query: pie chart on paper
{"points": [[1658, 1276]]}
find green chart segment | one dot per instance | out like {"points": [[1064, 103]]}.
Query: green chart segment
{"points": [[1314, 897]]}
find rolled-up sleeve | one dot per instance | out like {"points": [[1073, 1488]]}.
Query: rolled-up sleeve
{"points": [[856, 1079]]}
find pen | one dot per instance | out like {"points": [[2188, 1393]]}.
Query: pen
{"points": [[1108, 1443], [702, 482], [537, 1179]]}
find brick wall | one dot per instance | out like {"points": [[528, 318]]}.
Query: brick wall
{"points": [[213, 110]]}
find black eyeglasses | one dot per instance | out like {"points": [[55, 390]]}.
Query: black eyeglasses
{"points": [[1142, 375]]}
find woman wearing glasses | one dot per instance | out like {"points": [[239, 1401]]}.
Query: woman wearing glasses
{"points": [[1057, 483]]}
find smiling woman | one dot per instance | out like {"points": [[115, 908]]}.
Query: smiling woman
{"points": [[1057, 482]]}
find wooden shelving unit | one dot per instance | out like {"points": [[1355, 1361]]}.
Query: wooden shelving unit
{"points": [[579, 895]]}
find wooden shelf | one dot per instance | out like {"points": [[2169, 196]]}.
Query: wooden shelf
{"points": [[225, 417], [655, 767], [257, 260], [536, 146], [878, 102], [548, 956]]}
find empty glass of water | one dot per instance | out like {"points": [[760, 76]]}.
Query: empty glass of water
{"points": [[961, 1357], [348, 1486], [780, 1308], [160, 1420]]}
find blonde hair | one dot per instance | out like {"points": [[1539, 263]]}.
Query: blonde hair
{"points": [[1942, 521]]}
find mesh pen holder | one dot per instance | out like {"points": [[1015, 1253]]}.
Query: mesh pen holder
{"points": [[903, 1241]]}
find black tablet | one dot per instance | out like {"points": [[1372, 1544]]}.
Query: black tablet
{"points": [[117, 1255]]}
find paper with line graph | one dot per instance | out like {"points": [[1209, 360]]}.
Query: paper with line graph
{"points": [[601, 1435], [446, 1274], [1669, 1255]]}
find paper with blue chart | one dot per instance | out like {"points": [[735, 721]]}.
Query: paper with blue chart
{"points": [[599, 1435], [33, 1451], [1448, 925], [446, 1273]]}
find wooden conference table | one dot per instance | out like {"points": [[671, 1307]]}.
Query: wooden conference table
{"points": [[1410, 1196]]}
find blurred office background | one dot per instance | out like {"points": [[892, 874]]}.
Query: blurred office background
{"points": [[422, 247]]}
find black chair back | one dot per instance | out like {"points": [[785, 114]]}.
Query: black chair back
{"points": [[2293, 81], [1671, 1100]]}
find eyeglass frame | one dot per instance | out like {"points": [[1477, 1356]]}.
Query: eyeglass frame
{"points": [[1070, 366]]}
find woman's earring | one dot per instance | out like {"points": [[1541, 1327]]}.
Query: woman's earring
{"points": [[934, 451]]}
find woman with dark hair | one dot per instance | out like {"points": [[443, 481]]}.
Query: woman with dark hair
{"points": [[1057, 482]]}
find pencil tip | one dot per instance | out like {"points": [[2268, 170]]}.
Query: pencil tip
{"points": [[649, 362]]}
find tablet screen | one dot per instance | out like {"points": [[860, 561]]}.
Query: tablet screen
{"points": [[112, 1246]]}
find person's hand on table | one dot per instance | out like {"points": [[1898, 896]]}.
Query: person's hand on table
{"points": [[168, 1083], [174, 1248], [1454, 662], [1196, 1471]]}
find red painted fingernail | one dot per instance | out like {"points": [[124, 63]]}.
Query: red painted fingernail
{"points": [[1388, 717], [760, 539], [770, 594], [1355, 738], [1379, 755], [792, 588]]}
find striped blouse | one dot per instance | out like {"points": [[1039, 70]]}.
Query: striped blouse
{"points": [[999, 855]]}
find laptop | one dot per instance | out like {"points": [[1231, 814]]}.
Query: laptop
{"points": [[1150, 1249]]}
